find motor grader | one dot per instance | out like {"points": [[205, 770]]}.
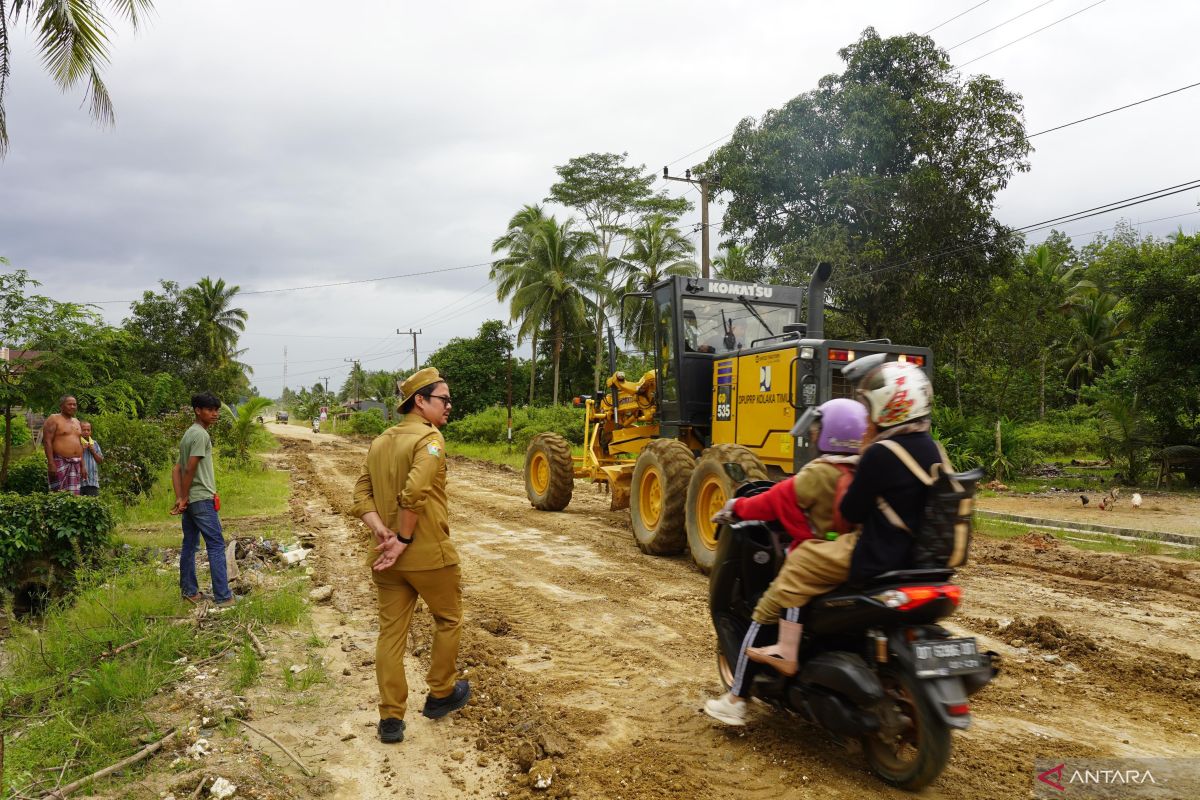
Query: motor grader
{"points": [[734, 369]]}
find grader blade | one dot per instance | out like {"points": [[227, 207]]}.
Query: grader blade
{"points": [[620, 479]]}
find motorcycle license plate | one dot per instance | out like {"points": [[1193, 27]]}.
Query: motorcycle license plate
{"points": [[946, 657]]}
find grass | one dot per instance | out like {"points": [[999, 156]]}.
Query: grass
{"points": [[1095, 542], [495, 453], [63, 701], [246, 491]]}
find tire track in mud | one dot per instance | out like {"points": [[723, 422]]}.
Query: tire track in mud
{"points": [[576, 642]]}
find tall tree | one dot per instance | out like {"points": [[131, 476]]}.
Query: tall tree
{"points": [[552, 284], [612, 196], [72, 36], [508, 273], [890, 170], [52, 349], [477, 367], [218, 322], [1099, 332], [657, 249]]}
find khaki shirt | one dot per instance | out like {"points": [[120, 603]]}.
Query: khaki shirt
{"points": [[816, 485], [406, 469]]}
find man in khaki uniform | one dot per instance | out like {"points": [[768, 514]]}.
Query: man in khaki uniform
{"points": [[401, 496]]}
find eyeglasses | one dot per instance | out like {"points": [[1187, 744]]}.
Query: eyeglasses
{"points": [[445, 398]]}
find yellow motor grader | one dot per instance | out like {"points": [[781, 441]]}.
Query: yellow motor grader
{"points": [[735, 368]]}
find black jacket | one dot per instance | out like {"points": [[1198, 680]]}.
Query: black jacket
{"points": [[883, 547]]}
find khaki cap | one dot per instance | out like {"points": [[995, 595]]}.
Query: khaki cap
{"points": [[417, 381]]}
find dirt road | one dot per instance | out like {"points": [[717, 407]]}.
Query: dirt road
{"points": [[581, 647]]}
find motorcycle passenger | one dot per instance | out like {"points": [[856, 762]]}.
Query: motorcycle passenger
{"points": [[899, 400], [804, 506]]}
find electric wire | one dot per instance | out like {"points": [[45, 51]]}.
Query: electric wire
{"points": [[956, 16], [1026, 36], [1001, 25]]}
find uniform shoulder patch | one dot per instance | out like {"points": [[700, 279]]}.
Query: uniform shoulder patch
{"points": [[434, 448]]}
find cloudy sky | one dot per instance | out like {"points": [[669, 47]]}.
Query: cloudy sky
{"points": [[288, 143]]}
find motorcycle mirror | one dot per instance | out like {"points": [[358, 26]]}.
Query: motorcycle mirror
{"points": [[811, 414], [735, 471]]}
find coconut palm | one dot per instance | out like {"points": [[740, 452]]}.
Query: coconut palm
{"points": [[241, 432], [508, 273], [731, 263], [218, 323], [657, 249], [1100, 329], [548, 275], [72, 37]]}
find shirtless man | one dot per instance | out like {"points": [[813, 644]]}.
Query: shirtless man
{"points": [[64, 449]]}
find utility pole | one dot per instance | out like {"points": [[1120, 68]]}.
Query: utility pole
{"points": [[284, 398], [326, 379], [509, 378], [703, 184], [412, 333]]}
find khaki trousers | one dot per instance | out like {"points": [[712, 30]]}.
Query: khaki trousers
{"points": [[813, 568], [441, 589]]}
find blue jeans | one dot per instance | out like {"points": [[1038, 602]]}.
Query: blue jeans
{"points": [[200, 519]]}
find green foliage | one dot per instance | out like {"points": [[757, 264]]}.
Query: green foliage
{"points": [[1057, 437], [134, 451], [490, 425], [21, 435], [57, 527], [243, 426], [476, 368], [1125, 436], [368, 423], [896, 160], [28, 475]]}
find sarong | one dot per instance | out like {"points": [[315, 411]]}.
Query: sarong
{"points": [[68, 475]]}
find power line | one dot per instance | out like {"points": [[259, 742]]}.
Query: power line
{"points": [[1113, 110], [956, 16], [1001, 25], [1103, 209], [337, 283], [1026, 36]]}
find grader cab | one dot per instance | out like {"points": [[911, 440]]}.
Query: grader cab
{"points": [[735, 368]]}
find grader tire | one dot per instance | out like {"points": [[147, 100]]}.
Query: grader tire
{"points": [[708, 490], [549, 472], [658, 494]]}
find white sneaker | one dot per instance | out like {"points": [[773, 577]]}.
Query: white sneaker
{"points": [[726, 710]]}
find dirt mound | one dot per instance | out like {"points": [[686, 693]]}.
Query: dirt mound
{"points": [[1039, 540], [1034, 552], [1047, 634]]}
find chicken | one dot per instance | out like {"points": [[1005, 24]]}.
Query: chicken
{"points": [[1083, 499], [1136, 500], [1104, 506]]}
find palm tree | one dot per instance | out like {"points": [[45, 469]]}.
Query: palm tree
{"points": [[508, 273], [218, 324], [548, 275], [731, 264], [1100, 329], [657, 249], [72, 38], [243, 420]]}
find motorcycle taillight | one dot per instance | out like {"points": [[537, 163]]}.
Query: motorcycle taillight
{"points": [[911, 597]]}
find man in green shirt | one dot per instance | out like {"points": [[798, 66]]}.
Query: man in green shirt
{"points": [[196, 500]]}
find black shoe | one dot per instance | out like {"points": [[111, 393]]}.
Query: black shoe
{"points": [[438, 707], [391, 730]]}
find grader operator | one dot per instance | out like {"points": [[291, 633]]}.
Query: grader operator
{"points": [[735, 368]]}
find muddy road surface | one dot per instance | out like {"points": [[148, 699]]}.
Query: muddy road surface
{"points": [[593, 659]]}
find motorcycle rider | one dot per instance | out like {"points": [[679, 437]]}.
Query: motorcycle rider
{"points": [[804, 506], [899, 400]]}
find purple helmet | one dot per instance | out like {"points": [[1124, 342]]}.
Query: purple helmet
{"points": [[843, 423]]}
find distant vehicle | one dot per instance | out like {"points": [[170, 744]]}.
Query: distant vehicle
{"points": [[281, 416], [316, 425]]}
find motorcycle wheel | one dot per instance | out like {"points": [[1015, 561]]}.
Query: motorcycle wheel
{"points": [[912, 746]]}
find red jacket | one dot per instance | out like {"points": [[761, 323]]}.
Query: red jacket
{"points": [[777, 503]]}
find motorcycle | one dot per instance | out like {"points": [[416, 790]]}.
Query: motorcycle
{"points": [[316, 426], [873, 663]]}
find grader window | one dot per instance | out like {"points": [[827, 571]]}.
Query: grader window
{"points": [[723, 326], [665, 336]]}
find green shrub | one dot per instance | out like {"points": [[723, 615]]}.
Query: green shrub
{"points": [[1048, 438], [20, 432], [57, 527], [490, 425], [368, 423], [28, 475], [134, 451]]}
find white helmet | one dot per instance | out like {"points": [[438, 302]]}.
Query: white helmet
{"points": [[897, 392]]}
